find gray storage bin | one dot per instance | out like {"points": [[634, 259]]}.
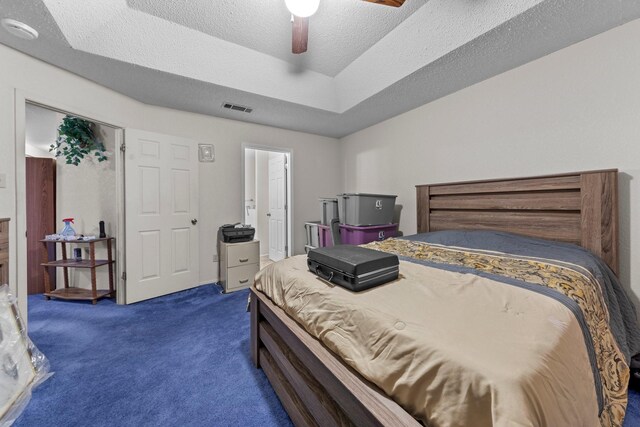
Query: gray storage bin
{"points": [[313, 236], [329, 210], [359, 209]]}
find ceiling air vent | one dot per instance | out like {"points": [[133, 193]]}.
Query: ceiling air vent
{"points": [[237, 107]]}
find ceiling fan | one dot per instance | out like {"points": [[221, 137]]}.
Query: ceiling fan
{"points": [[301, 10]]}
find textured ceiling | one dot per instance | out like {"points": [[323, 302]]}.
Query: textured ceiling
{"points": [[165, 52], [335, 37]]}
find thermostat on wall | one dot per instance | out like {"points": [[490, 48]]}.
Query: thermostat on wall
{"points": [[206, 153]]}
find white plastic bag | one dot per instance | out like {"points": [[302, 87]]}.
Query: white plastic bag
{"points": [[22, 365]]}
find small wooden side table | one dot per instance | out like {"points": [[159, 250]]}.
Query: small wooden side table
{"points": [[73, 293]]}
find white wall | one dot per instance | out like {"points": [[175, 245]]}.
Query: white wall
{"points": [[220, 182], [87, 193], [41, 131], [262, 199], [7, 168], [250, 175], [250, 216], [577, 109]]}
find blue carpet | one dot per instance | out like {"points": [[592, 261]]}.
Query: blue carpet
{"points": [[180, 360], [632, 419]]}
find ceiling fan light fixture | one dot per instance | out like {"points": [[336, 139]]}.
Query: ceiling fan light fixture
{"points": [[302, 8]]}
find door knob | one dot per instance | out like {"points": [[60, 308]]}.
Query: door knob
{"points": [[194, 221], [269, 214]]}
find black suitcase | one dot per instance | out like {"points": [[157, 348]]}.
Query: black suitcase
{"points": [[353, 267], [635, 372]]}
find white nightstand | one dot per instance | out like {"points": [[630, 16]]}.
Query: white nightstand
{"points": [[239, 263]]}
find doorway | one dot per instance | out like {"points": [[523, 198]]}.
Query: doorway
{"points": [[56, 189], [267, 200]]}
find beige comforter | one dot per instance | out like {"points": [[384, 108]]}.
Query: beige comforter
{"points": [[453, 349]]}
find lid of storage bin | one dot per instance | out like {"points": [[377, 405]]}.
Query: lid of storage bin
{"points": [[327, 199], [367, 195], [378, 227]]}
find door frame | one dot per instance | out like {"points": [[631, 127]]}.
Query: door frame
{"points": [[21, 99], [290, 208]]}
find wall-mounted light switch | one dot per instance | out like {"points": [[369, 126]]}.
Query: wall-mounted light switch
{"points": [[3, 180]]}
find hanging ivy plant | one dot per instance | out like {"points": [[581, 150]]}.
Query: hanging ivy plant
{"points": [[77, 140]]}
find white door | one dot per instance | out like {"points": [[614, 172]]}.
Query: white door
{"points": [[161, 196], [277, 206]]}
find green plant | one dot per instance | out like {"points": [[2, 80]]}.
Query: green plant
{"points": [[77, 140]]}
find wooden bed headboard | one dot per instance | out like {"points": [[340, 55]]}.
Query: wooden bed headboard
{"points": [[580, 208]]}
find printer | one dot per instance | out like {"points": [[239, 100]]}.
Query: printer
{"points": [[236, 233]]}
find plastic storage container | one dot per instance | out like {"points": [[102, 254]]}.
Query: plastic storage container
{"points": [[329, 210], [359, 209], [312, 235], [351, 235], [325, 239]]}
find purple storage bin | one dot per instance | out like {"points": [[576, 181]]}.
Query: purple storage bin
{"points": [[324, 236], [352, 235]]}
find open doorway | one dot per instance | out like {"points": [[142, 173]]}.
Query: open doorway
{"points": [[267, 200], [57, 188]]}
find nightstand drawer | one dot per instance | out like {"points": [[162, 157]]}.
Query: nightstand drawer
{"points": [[241, 277], [244, 254]]}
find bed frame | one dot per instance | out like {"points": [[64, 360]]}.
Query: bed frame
{"points": [[317, 389], [579, 208]]}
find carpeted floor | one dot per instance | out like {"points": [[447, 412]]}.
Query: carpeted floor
{"points": [[179, 360], [632, 419]]}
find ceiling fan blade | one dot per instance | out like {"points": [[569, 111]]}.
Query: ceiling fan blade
{"points": [[394, 3], [300, 34]]}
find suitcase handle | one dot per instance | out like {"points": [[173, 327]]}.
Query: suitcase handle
{"points": [[322, 276]]}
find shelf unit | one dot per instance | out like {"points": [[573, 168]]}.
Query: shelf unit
{"points": [[73, 293]]}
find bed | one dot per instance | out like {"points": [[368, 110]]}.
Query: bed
{"points": [[325, 378]]}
